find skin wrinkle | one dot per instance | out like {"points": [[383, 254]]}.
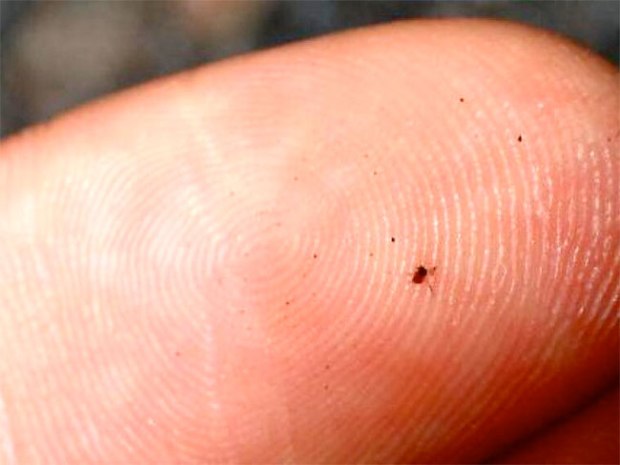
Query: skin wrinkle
{"points": [[590, 436]]}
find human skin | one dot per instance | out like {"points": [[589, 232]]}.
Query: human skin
{"points": [[216, 267]]}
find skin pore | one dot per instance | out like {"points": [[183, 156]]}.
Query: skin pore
{"points": [[216, 267]]}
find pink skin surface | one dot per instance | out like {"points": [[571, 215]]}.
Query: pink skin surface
{"points": [[201, 270]]}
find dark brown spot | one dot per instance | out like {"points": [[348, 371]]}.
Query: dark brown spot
{"points": [[519, 138], [393, 239], [315, 256], [287, 302], [461, 99], [420, 274]]}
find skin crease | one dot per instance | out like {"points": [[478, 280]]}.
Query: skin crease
{"points": [[201, 270], [591, 436]]}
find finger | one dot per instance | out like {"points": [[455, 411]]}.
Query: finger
{"points": [[217, 267]]}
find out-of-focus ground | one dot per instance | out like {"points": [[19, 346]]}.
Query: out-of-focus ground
{"points": [[57, 54]]}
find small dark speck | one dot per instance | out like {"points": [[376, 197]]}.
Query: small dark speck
{"points": [[393, 239], [374, 173], [326, 387], [314, 256], [371, 254], [519, 138], [288, 303], [461, 99]]}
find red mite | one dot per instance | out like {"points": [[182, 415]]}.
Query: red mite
{"points": [[420, 274]]}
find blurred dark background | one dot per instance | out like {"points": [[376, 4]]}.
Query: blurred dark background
{"points": [[57, 54]]}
